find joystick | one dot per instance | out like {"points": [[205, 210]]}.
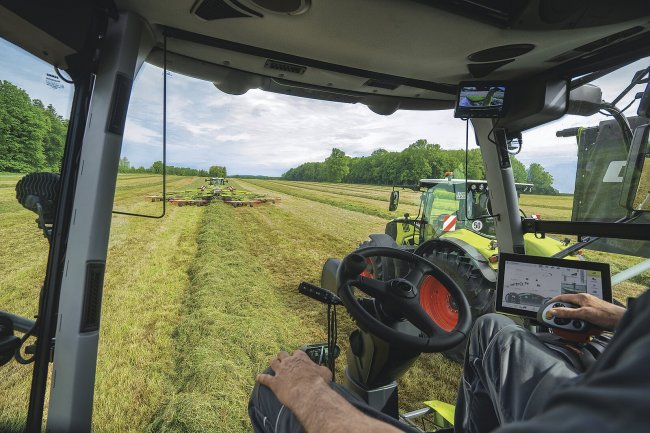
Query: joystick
{"points": [[571, 325]]}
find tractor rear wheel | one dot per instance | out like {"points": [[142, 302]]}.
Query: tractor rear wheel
{"points": [[436, 300]]}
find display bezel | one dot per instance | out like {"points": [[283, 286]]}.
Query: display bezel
{"points": [[474, 112], [603, 268]]}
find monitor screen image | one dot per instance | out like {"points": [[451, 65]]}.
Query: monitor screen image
{"points": [[480, 100], [525, 282]]}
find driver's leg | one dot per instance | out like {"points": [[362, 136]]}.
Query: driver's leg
{"points": [[508, 375], [268, 415]]}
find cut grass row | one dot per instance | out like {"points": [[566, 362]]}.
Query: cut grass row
{"points": [[407, 197], [355, 204]]}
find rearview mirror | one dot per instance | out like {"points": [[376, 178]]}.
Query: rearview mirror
{"points": [[394, 201], [636, 182]]}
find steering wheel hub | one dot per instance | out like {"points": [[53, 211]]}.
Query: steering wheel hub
{"points": [[403, 288]]}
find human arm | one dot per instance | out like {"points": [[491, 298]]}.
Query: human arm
{"points": [[304, 387], [591, 309]]}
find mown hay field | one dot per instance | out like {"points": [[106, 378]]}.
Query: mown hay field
{"points": [[197, 303]]}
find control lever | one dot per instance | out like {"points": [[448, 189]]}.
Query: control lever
{"points": [[324, 353], [571, 325], [319, 294]]}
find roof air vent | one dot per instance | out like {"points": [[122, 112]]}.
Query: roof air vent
{"points": [[500, 53], [381, 84], [284, 67], [480, 70], [210, 10], [284, 7]]}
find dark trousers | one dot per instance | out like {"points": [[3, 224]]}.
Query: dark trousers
{"points": [[508, 376]]}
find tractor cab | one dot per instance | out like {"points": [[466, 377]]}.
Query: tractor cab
{"points": [[216, 181], [448, 205]]}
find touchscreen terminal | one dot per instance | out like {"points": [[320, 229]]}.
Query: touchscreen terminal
{"points": [[524, 283], [476, 99]]}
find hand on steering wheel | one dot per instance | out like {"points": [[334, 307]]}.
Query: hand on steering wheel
{"points": [[401, 295]]}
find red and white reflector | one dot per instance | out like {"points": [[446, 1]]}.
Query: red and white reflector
{"points": [[535, 216], [449, 224]]}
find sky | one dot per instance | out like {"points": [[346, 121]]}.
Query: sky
{"points": [[266, 134]]}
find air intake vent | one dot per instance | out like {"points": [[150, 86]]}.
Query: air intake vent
{"points": [[210, 10], [381, 84], [285, 7], [284, 67], [92, 302]]}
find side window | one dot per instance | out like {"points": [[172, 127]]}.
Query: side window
{"points": [[34, 110]]}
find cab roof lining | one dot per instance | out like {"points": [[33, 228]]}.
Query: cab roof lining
{"points": [[405, 49]]}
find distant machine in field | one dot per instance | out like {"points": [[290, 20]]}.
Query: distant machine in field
{"points": [[205, 195]]}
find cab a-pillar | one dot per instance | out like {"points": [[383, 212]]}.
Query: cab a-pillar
{"points": [[501, 183], [127, 43]]}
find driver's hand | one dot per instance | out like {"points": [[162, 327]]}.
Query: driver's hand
{"points": [[592, 309], [295, 377]]}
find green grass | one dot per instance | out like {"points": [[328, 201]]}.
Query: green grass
{"points": [[197, 303], [362, 205]]}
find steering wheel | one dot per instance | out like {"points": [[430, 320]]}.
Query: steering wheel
{"points": [[401, 295]]}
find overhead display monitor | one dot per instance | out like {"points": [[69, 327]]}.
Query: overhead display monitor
{"points": [[524, 283], [481, 99]]}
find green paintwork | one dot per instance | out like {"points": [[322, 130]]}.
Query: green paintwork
{"points": [[445, 197], [534, 247], [443, 412]]}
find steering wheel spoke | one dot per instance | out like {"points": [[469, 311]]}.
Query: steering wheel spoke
{"points": [[376, 288], [421, 320], [414, 275]]}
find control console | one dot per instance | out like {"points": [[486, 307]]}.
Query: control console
{"points": [[571, 325]]}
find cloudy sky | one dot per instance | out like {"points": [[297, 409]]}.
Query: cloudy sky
{"points": [[266, 134]]}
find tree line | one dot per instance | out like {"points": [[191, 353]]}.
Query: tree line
{"points": [[420, 160], [32, 136], [157, 168]]}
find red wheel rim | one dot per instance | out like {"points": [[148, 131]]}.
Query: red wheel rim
{"points": [[438, 303], [370, 269]]}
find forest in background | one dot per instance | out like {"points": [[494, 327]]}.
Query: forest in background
{"points": [[32, 138], [420, 160]]}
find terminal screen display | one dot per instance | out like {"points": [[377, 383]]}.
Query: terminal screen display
{"points": [[481, 100], [526, 282]]}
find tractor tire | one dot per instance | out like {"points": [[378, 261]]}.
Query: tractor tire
{"points": [[479, 292], [382, 269]]}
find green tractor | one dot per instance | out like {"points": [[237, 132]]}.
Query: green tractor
{"points": [[455, 230]]}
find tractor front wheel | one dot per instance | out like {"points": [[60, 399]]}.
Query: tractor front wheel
{"points": [[436, 300], [379, 268]]}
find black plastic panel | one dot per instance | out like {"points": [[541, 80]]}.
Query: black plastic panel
{"points": [[119, 104], [92, 296]]}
